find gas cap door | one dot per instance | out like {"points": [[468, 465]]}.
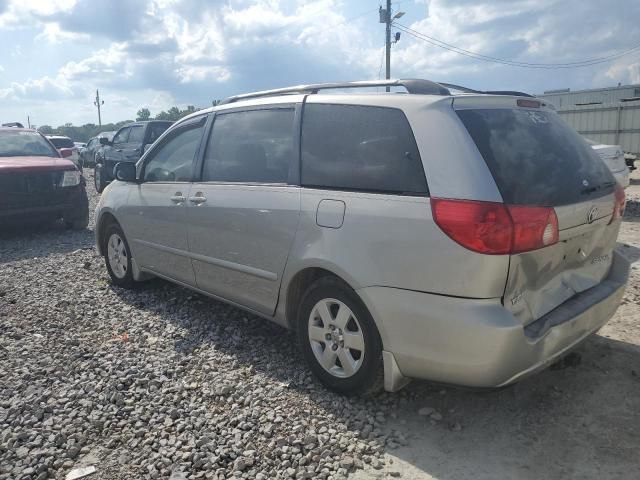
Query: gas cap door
{"points": [[330, 213]]}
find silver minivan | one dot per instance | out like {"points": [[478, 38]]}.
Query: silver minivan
{"points": [[439, 233]]}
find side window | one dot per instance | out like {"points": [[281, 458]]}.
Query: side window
{"points": [[155, 130], [360, 148], [121, 136], [172, 161], [136, 134], [250, 147]]}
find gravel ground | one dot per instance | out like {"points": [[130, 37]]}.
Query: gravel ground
{"points": [[165, 383]]}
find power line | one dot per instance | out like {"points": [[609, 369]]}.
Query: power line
{"points": [[478, 56]]}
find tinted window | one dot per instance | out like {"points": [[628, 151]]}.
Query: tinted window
{"points": [[24, 144], [155, 130], [121, 136], [136, 134], [536, 158], [62, 142], [255, 146], [360, 148], [172, 161]]}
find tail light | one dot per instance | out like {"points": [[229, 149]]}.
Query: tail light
{"points": [[495, 228], [619, 203]]}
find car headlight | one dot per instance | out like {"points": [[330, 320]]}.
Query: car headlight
{"points": [[71, 178]]}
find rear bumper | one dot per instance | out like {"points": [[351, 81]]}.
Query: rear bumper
{"points": [[478, 343]]}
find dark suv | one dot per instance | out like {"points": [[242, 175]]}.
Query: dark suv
{"points": [[128, 144]]}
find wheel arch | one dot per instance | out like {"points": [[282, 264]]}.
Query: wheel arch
{"points": [[106, 218]]}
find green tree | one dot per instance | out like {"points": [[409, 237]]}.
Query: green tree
{"points": [[143, 115], [45, 129]]}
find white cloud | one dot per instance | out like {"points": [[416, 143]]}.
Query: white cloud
{"points": [[192, 51]]}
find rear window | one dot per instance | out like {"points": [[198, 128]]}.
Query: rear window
{"points": [[536, 158], [360, 148], [62, 142]]}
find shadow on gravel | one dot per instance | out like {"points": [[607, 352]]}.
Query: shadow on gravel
{"points": [[632, 211], [19, 242], [576, 419], [631, 252]]}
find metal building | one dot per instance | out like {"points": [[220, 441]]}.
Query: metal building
{"points": [[605, 115]]}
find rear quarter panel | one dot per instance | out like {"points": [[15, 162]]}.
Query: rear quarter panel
{"points": [[392, 241]]}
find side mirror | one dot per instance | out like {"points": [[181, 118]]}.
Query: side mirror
{"points": [[125, 172], [66, 152], [145, 147], [104, 141]]}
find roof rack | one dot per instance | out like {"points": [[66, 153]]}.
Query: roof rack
{"points": [[412, 85], [486, 92]]}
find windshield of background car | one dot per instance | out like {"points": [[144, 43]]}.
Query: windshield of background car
{"points": [[536, 158], [62, 142], [25, 144]]}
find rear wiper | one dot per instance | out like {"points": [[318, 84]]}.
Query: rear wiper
{"points": [[587, 190]]}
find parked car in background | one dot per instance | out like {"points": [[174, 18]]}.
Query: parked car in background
{"points": [[61, 142], [127, 145], [464, 239], [79, 145], [36, 183], [88, 153], [613, 157]]}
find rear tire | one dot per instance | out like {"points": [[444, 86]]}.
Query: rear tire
{"points": [[339, 339], [117, 257]]}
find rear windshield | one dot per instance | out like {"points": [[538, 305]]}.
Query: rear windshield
{"points": [[62, 142], [24, 144], [536, 158]]}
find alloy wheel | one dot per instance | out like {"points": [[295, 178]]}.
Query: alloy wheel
{"points": [[336, 338]]}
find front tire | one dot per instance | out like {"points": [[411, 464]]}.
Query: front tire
{"points": [[117, 256], [98, 178], [339, 339]]}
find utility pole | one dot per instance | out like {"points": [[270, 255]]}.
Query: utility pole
{"points": [[28, 121], [388, 41], [387, 19], [98, 103]]}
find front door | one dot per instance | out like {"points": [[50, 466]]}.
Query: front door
{"points": [[242, 214], [156, 209], [132, 149]]}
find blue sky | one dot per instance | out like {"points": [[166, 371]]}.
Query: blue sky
{"points": [[159, 53]]}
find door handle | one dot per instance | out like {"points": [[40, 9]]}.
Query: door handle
{"points": [[198, 199], [119, 150], [178, 198]]}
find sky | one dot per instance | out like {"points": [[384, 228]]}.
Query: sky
{"points": [[54, 54]]}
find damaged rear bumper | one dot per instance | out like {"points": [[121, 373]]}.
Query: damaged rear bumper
{"points": [[479, 343]]}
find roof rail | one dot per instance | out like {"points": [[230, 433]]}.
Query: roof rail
{"points": [[487, 92], [413, 86]]}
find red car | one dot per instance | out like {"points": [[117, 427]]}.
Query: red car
{"points": [[37, 183]]}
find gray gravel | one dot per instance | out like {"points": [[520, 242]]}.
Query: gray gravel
{"points": [[160, 382]]}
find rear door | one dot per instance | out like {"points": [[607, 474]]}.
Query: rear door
{"points": [[243, 213], [537, 160]]}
